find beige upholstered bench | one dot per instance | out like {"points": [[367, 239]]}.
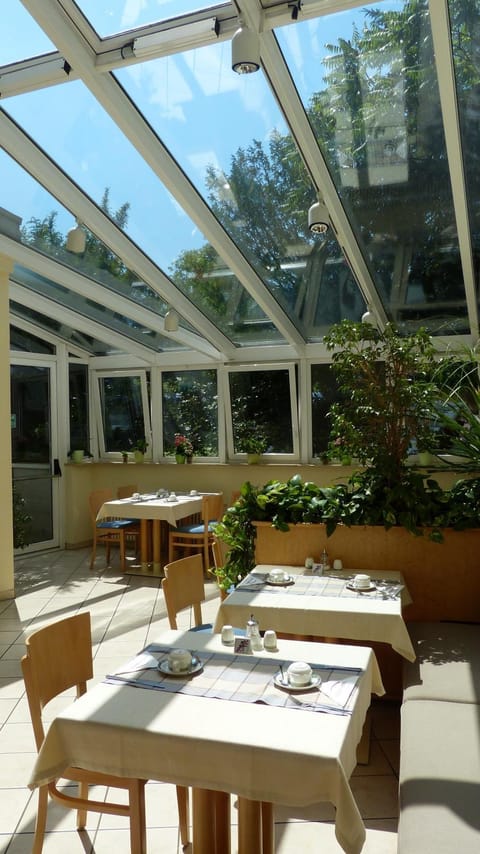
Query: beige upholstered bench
{"points": [[440, 742]]}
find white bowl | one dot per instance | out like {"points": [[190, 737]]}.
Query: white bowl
{"points": [[179, 660], [299, 673]]}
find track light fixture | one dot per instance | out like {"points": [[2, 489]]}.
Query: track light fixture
{"points": [[318, 218], [170, 322], [245, 51], [76, 239]]}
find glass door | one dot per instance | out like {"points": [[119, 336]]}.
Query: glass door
{"points": [[34, 450]]}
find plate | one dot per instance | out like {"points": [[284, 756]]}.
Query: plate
{"points": [[361, 589], [195, 667], [284, 582], [315, 681]]}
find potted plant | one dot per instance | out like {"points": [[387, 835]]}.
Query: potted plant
{"points": [[183, 448], [254, 445], [139, 449]]}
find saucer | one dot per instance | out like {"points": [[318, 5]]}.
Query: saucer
{"points": [[315, 681], [195, 667], [280, 582], [369, 589]]}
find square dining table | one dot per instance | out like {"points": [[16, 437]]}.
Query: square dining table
{"points": [[314, 605], [151, 510], [227, 728]]}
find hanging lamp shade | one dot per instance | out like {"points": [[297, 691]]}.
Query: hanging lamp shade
{"points": [[318, 218], [170, 323], [245, 51], [76, 240]]}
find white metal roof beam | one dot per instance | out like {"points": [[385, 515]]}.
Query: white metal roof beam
{"points": [[440, 22], [107, 91]]}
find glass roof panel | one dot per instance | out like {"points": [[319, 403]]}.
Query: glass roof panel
{"points": [[102, 161], [367, 80], [85, 307], [33, 41], [465, 22], [110, 17], [228, 135], [62, 330]]}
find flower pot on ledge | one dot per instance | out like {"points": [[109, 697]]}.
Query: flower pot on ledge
{"points": [[180, 459], [138, 456]]}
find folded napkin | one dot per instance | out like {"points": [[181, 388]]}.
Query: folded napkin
{"points": [[253, 581]]}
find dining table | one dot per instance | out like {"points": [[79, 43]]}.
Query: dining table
{"points": [[322, 605], [230, 726], [151, 509]]}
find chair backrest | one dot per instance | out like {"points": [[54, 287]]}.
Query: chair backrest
{"points": [[212, 507], [96, 499], [220, 551], [127, 491], [58, 657], [183, 587]]}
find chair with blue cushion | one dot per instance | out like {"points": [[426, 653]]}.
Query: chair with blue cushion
{"points": [[198, 537], [109, 530]]}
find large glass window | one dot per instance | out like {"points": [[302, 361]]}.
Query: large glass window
{"points": [[124, 410], [263, 411], [324, 394], [78, 403], [190, 408]]}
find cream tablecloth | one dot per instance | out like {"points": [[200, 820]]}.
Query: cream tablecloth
{"points": [[330, 611], [153, 508], [260, 752]]}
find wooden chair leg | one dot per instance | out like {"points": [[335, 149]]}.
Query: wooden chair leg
{"points": [[94, 552], [122, 550], [183, 814], [222, 823], [41, 821], [203, 821], [82, 814]]}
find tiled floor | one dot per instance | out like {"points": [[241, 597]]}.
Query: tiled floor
{"points": [[127, 612]]}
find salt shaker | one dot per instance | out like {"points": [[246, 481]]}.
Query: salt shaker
{"points": [[253, 632]]}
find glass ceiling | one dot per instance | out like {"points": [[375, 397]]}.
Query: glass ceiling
{"points": [[192, 183]]}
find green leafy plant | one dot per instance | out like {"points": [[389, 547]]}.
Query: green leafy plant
{"points": [[140, 445]]}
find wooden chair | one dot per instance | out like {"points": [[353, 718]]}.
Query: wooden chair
{"points": [[109, 530], [198, 537], [127, 491], [59, 657], [183, 587]]}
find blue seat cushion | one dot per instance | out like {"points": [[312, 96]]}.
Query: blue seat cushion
{"points": [[196, 529], [116, 523]]}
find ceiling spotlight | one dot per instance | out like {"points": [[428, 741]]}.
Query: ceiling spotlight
{"points": [[318, 218], [170, 323], [245, 51], [76, 239]]}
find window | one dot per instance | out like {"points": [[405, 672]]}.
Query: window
{"points": [[78, 407], [124, 411], [190, 407], [263, 407], [324, 394]]}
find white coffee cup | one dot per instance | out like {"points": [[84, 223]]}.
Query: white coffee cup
{"points": [[179, 660], [278, 575], [337, 563], [361, 581], [228, 635], [299, 673], [270, 639]]}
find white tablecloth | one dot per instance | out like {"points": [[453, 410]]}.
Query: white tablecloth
{"points": [[260, 752], [154, 508], [356, 616]]}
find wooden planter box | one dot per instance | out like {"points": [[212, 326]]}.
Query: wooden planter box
{"points": [[443, 579]]}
